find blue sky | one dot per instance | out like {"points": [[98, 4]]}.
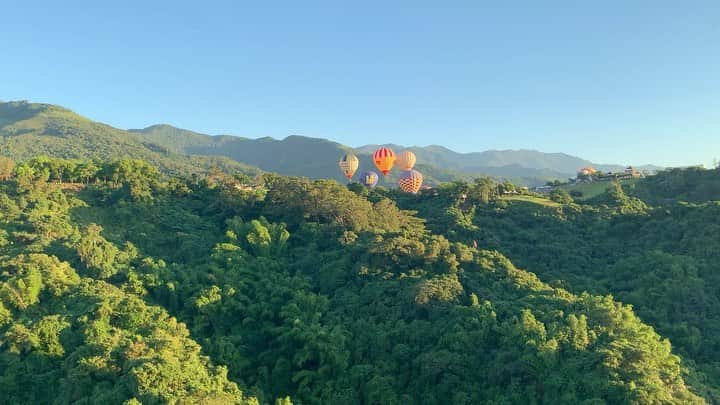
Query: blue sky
{"points": [[611, 81]]}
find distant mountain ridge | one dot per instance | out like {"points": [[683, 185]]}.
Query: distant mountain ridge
{"points": [[31, 129], [300, 155], [560, 164], [28, 130]]}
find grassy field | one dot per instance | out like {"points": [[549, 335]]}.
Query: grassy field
{"points": [[592, 189], [531, 199]]}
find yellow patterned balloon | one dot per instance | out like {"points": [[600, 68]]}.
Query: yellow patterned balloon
{"points": [[406, 160], [349, 165]]}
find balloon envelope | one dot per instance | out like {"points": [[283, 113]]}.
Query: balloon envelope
{"points": [[369, 179], [349, 164], [384, 159], [411, 181], [405, 160]]}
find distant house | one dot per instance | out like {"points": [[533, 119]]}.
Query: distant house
{"points": [[633, 172], [425, 188], [649, 172], [246, 187], [543, 189], [629, 173], [430, 190], [589, 174]]}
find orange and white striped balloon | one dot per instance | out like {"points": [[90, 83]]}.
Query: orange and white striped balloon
{"points": [[384, 159], [411, 181], [405, 160]]}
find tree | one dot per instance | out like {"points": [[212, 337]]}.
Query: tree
{"points": [[98, 255], [87, 171], [507, 187], [483, 190], [560, 195], [259, 236], [7, 167]]}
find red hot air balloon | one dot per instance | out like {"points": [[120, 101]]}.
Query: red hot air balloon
{"points": [[384, 159]]}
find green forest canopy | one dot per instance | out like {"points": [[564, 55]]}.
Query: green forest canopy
{"points": [[127, 285]]}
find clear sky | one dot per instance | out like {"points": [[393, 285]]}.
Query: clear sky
{"points": [[611, 81]]}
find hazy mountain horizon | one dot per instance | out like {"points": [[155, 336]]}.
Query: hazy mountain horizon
{"points": [[57, 131], [528, 166], [369, 148]]}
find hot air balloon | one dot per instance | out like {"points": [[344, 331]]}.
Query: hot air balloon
{"points": [[405, 160], [410, 181], [369, 179], [349, 164], [384, 159]]}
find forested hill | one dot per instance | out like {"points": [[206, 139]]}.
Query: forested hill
{"points": [[135, 287], [694, 185], [28, 130]]}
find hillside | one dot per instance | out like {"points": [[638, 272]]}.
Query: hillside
{"points": [[695, 185], [28, 130], [310, 290], [660, 256]]}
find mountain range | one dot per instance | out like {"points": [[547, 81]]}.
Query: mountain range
{"points": [[300, 155], [29, 129]]}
